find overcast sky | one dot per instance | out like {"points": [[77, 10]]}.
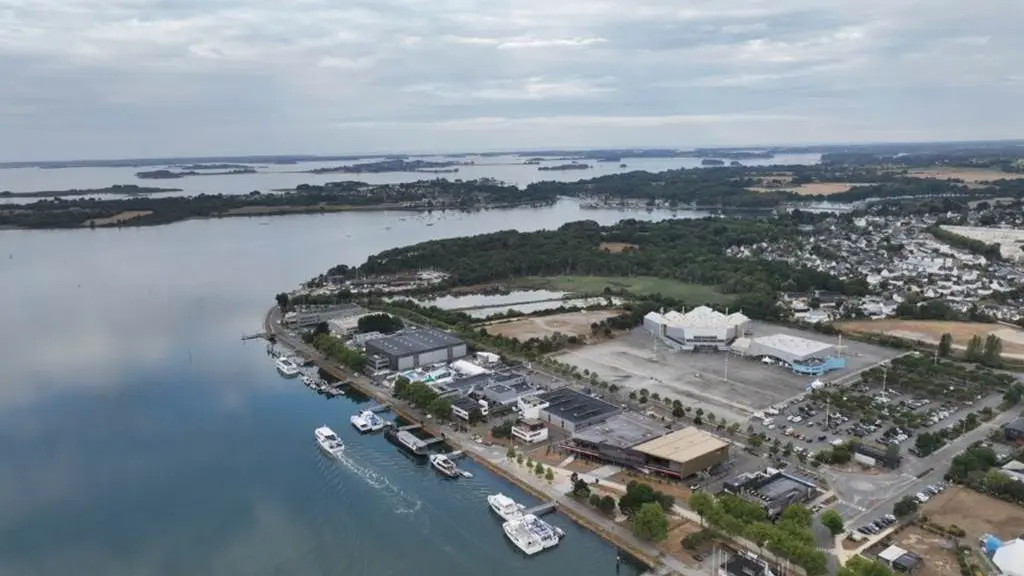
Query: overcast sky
{"points": [[115, 78]]}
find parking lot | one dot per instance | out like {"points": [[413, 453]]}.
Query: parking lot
{"points": [[727, 385], [804, 422]]}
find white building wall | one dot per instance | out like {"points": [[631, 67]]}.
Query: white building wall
{"points": [[531, 411], [433, 357], [458, 351], [528, 436], [406, 362]]}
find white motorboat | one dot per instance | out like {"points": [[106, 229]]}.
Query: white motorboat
{"points": [[531, 534], [505, 507], [444, 465], [367, 421], [329, 441], [287, 367]]}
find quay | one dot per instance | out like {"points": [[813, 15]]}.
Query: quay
{"points": [[578, 512]]}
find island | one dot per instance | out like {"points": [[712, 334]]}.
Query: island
{"points": [[561, 167], [171, 174], [712, 162], [117, 189], [394, 165], [844, 182]]}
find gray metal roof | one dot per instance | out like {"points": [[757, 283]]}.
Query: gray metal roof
{"points": [[574, 406], [413, 341], [622, 431]]}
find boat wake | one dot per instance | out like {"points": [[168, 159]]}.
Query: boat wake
{"points": [[404, 504]]}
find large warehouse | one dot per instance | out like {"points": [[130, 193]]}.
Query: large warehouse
{"points": [[699, 329], [684, 452], [572, 411], [803, 355], [415, 347], [645, 444]]}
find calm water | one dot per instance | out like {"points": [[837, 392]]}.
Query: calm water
{"points": [[505, 168], [140, 437]]}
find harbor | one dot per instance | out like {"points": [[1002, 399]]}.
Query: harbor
{"points": [[415, 439]]}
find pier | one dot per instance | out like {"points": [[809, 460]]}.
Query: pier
{"points": [[257, 336]]}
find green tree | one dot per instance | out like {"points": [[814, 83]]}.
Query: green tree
{"points": [[650, 523], [1013, 395], [595, 499], [539, 469], [946, 345], [833, 521], [992, 353], [702, 503], [282, 300], [975, 349], [400, 387], [440, 408], [861, 566], [549, 475], [607, 505], [511, 452], [907, 506]]}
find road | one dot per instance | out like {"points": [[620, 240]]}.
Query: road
{"points": [[865, 498]]}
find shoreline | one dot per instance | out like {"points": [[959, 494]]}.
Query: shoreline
{"points": [[272, 327]]}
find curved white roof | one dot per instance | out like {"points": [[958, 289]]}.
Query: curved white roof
{"points": [[1010, 557]]}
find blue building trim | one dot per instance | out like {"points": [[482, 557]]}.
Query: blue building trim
{"points": [[828, 365]]}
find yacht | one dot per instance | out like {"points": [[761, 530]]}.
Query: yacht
{"points": [[531, 534], [505, 507], [329, 441], [406, 441], [367, 421], [287, 367], [444, 465]]}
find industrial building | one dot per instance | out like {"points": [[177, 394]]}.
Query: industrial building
{"points": [[803, 355], [415, 347], [571, 411], [1008, 556], [899, 559], [870, 455], [465, 408], [699, 329], [684, 452], [772, 489], [646, 445]]}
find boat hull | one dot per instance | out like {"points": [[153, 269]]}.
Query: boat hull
{"points": [[392, 436]]}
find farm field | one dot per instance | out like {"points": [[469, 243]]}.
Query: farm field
{"points": [[976, 513], [812, 189], [968, 175], [569, 323], [639, 285], [119, 217], [930, 331], [616, 247]]}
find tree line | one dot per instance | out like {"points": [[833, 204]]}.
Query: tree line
{"points": [[692, 251]]}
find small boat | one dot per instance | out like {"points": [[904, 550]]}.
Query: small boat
{"points": [[531, 534], [505, 507], [367, 421], [407, 442], [287, 367], [444, 465], [329, 441]]}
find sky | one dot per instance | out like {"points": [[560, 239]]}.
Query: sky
{"points": [[137, 78]]}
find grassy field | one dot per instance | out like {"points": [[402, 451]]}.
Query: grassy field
{"points": [[639, 285], [570, 324]]}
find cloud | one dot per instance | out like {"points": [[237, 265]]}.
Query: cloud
{"points": [[144, 77]]}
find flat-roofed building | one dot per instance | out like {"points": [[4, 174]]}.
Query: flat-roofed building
{"points": [[612, 439], [530, 431], [570, 410], [530, 407], [415, 347], [684, 452]]}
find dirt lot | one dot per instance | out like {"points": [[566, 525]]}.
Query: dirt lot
{"points": [[940, 560], [701, 379], [969, 175], [930, 331], [673, 545], [616, 247], [812, 189], [570, 324], [119, 217], [976, 513]]}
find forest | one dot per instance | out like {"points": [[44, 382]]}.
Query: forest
{"points": [[692, 251]]}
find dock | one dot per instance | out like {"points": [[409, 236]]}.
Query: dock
{"points": [[257, 336]]}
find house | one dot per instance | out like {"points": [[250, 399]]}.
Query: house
{"points": [[530, 431]]}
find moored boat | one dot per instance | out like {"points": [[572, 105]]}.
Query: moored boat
{"points": [[287, 367], [505, 507], [444, 465], [531, 534], [367, 421]]}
